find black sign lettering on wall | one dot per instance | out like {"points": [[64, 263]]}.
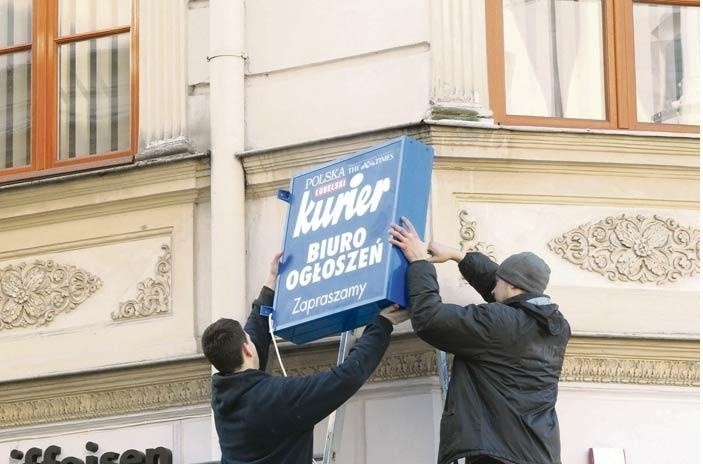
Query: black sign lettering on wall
{"points": [[51, 455], [109, 458], [132, 457], [159, 455], [72, 460]]}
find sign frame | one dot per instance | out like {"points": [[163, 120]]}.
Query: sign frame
{"points": [[408, 164]]}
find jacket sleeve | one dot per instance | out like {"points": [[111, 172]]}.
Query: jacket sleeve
{"points": [[480, 272], [463, 331], [311, 398], [257, 326]]}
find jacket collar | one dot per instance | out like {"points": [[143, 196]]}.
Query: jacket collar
{"points": [[533, 298], [540, 308]]}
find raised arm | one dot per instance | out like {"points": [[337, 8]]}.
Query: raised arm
{"points": [[480, 272], [312, 398], [463, 331], [257, 326], [478, 269]]}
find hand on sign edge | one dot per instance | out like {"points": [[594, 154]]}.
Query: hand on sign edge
{"points": [[407, 240]]}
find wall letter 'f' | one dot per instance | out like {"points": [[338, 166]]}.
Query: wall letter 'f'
{"points": [[32, 456], [50, 454]]}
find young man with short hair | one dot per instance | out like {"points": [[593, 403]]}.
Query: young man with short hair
{"points": [[266, 419]]}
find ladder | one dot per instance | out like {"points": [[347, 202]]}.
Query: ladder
{"points": [[335, 421]]}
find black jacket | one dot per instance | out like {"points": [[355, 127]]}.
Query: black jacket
{"points": [[262, 418], [507, 361]]}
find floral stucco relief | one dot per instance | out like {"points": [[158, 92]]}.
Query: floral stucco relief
{"points": [[32, 294], [633, 248]]}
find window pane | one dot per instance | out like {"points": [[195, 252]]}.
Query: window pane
{"points": [[667, 63], [94, 96], [15, 109], [15, 22], [78, 16], [554, 58]]}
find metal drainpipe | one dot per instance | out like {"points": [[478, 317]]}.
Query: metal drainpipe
{"points": [[227, 209]]}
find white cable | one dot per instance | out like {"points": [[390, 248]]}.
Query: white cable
{"points": [[275, 346], [278, 354]]}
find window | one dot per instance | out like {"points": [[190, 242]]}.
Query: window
{"points": [[613, 64], [68, 85]]}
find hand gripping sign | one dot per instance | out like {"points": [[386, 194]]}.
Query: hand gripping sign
{"points": [[338, 269]]}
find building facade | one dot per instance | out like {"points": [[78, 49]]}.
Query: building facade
{"points": [[142, 144]]}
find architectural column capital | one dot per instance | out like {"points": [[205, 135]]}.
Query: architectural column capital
{"points": [[459, 71]]}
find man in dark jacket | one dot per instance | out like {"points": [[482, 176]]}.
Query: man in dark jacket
{"points": [[263, 419], [508, 353]]}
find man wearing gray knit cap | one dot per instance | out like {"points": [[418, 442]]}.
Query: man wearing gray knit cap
{"points": [[508, 352]]}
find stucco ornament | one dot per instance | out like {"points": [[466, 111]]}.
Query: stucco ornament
{"points": [[633, 248], [153, 294], [468, 232], [33, 294]]}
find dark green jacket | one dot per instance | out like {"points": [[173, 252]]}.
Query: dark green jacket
{"points": [[507, 361]]}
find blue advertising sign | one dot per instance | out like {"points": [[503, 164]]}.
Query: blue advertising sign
{"points": [[338, 269]]}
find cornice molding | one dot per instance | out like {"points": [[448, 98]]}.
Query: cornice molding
{"points": [[314, 153], [648, 171], [108, 393], [112, 188], [157, 200], [86, 243], [632, 361], [567, 143], [462, 148], [575, 200], [271, 169], [182, 383], [601, 360]]}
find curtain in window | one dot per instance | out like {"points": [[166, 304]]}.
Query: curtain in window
{"points": [[15, 83], [94, 79], [667, 63], [554, 58]]}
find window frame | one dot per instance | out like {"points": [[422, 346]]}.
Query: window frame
{"points": [[44, 117], [618, 72]]}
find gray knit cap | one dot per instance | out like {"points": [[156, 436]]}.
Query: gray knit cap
{"points": [[525, 270]]}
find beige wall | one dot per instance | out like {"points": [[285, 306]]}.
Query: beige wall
{"points": [[100, 271], [340, 69], [651, 424], [337, 68]]}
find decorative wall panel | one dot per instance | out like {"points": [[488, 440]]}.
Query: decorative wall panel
{"points": [[633, 248], [33, 294], [153, 294], [468, 232]]}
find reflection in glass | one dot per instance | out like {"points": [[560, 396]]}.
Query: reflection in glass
{"points": [[94, 96], [15, 109], [15, 22], [78, 16], [554, 58], [667, 63]]}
